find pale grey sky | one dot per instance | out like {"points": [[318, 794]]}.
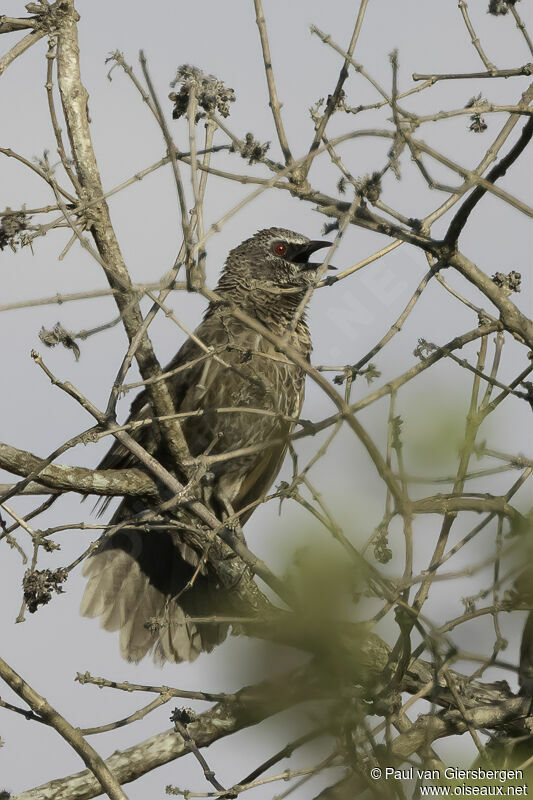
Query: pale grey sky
{"points": [[346, 319]]}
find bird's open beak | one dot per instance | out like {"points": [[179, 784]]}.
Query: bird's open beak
{"points": [[305, 250]]}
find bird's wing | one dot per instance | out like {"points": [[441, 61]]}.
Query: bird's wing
{"points": [[118, 456], [259, 480]]}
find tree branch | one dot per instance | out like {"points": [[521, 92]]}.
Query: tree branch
{"points": [[104, 482], [20, 47], [274, 102], [250, 706], [335, 96], [74, 99], [498, 171], [98, 769], [488, 704]]}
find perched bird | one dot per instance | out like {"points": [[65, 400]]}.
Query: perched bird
{"points": [[139, 575]]}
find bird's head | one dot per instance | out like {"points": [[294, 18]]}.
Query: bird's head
{"points": [[276, 257]]}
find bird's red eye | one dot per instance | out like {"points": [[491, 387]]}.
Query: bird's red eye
{"points": [[280, 248]]}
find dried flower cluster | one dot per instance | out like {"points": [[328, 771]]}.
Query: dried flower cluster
{"points": [[509, 282], [424, 349], [500, 7], [59, 335], [11, 225], [38, 586], [183, 715], [369, 186], [382, 551], [477, 121], [253, 150], [211, 94]]}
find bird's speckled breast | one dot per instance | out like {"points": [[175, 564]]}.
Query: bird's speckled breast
{"points": [[247, 376]]}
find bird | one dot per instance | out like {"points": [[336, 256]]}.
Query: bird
{"points": [[248, 393]]}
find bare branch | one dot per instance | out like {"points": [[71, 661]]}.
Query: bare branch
{"points": [[527, 69], [461, 217], [274, 102], [334, 98], [109, 483], [102, 775], [251, 705], [474, 38], [20, 47]]}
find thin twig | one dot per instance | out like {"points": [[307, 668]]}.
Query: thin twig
{"points": [[274, 102], [475, 38], [171, 149], [498, 171], [334, 98], [521, 26], [527, 69]]}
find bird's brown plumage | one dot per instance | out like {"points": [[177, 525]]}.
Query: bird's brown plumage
{"points": [[137, 577]]}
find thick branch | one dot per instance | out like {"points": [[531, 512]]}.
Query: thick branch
{"points": [[74, 99], [427, 729], [106, 482], [10, 24], [250, 706], [493, 702], [513, 320]]}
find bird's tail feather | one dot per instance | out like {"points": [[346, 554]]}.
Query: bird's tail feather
{"points": [[133, 584]]}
